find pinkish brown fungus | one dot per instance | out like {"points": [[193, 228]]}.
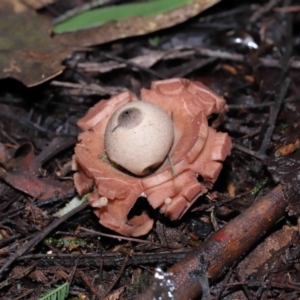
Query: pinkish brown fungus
{"points": [[184, 147]]}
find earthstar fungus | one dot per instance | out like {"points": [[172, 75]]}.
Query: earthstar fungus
{"points": [[166, 173], [138, 137]]}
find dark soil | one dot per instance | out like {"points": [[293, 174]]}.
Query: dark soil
{"points": [[246, 52]]}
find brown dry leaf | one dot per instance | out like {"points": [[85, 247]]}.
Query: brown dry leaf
{"points": [[287, 149], [24, 174], [136, 26], [231, 188], [39, 276], [115, 295], [17, 5], [27, 52], [37, 4], [5, 154]]}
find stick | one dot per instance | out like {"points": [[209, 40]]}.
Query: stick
{"points": [[224, 248]]}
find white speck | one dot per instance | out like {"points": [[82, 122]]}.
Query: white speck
{"points": [[168, 201], [163, 288], [102, 201]]}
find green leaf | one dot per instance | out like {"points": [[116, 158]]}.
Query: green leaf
{"points": [[97, 17], [60, 293]]}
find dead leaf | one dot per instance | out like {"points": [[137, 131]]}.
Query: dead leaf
{"points": [[136, 26], [287, 149], [27, 52], [39, 275], [23, 173], [17, 6], [5, 153], [37, 4], [115, 295]]}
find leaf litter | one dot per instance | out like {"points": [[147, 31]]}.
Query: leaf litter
{"points": [[33, 56], [248, 86]]}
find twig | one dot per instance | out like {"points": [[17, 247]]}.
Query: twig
{"points": [[284, 61], [74, 270], [226, 246], [132, 65], [226, 281], [40, 236], [5, 113], [266, 62], [88, 87], [244, 286], [17, 276], [57, 144], [264, 9], [245, 106], [187, 68], [119, 237], [5, 241], [117, 278], [287, 9], [250, 152], [273, 116], [105, 259]]}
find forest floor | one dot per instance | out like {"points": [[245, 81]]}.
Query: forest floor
{"points": [[249, 53]]}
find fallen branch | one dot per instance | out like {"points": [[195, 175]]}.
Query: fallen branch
{"points": [[224, 247]]}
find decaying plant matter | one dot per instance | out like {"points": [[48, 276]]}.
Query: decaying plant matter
{"points": [[197, 150]]}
